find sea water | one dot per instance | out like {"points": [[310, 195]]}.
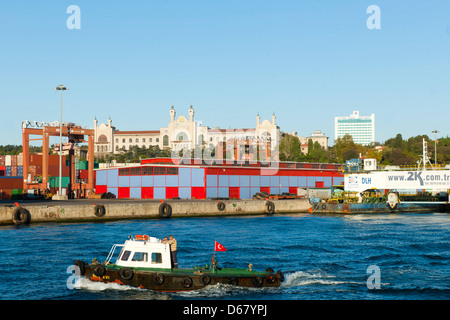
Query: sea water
{"points": [[339, 257]]}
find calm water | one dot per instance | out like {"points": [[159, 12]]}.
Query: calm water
{"points": [[322, 257]]}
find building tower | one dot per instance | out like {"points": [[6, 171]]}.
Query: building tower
{"points": [[172, 114]]}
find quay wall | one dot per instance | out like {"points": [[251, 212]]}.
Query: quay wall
{"points": [[90, 210]]}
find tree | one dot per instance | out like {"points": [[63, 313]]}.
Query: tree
{"points": [[346, 149], [290, 148]]}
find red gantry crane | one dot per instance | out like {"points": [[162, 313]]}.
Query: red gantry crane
{"points": [[75, 134]]}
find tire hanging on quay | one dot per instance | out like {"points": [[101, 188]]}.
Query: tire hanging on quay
{"points": [[165, 210], [99, 210], [21, 216]]}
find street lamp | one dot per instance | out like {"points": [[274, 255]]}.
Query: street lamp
{"points": [[435, 146], [60, 88]]}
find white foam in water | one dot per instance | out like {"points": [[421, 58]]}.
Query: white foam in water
{"points": [[301, 278], [87, 284], [219, 290]]}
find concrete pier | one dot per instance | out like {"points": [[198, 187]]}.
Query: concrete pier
{"points": [[24, 212]]}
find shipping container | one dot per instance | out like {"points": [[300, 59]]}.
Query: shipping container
{"points": [[84, 174], [7, 160], [16, 194], [2, 161], [5, 193], [11, 182], [35, 159], [84, 165], [54, 182], [2, 171]]}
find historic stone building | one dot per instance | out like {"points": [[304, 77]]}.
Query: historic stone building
{"points": [[182, 133]]}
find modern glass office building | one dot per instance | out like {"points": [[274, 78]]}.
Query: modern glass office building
{"points": [[361, 128]]}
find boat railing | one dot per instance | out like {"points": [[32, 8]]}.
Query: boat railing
{"points": [[111, 252]]}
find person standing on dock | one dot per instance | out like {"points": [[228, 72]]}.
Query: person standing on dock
{"points": [[173, 251]]}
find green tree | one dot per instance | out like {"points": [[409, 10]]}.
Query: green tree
{"points": [[290, 148]]}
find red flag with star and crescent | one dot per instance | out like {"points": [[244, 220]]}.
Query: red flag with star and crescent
{"points": [[219, 247]]}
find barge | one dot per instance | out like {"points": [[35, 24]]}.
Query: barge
{"points": [[145, 262], [351, 208]]}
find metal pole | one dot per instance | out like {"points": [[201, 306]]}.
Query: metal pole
{"points": [[60, 147], [435, 146], [61, 88]]}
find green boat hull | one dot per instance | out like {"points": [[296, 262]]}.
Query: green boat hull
{"points": [[172, 280]]}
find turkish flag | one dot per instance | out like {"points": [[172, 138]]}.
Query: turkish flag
{"points": [[219, 247]]}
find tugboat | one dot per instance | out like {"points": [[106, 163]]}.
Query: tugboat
{"points": [[145, 262]]}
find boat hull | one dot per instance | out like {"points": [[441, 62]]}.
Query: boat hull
{"points": [[376, 207], [179, 279]]}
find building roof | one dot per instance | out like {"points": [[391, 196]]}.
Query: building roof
{"points": [[217, 130], [138, 132]]}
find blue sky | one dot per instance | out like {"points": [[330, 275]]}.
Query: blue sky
{"points": [[307, 61]]}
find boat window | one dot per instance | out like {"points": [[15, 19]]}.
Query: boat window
{"points": [[156, 257], [125, 255], [140, 256]]}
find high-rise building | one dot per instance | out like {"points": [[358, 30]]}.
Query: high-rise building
{"points": [[361, 128]]}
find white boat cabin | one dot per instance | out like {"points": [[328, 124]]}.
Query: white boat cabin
{"points": [[142, 251]]}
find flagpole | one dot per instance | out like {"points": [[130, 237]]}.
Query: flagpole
{"points": [[214, 254]]}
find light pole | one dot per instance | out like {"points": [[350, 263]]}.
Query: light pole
{"points": [[60, 88], [435, 146]]}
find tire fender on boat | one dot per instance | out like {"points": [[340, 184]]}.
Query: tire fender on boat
{"points": [[81, 265], [158, 278], [99, 271], [21, 216], [233, 281], [186, 282], [126, 273], [280, 275], [258, 281], [205, 279]]}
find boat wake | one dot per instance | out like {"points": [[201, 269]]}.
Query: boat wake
{"points": [[302, 278], [222, 290], [126, 292], [86, 284]]}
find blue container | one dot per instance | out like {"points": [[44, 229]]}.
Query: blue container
{"points": [[8, 171], [20, 171]]}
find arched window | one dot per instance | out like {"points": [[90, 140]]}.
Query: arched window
{"points": [[150, 140], [123, 140], [137, 139], [165, 140], [117, 148], [143, 140], [117, 140], [130, 140], [102, 139], [182, 136]]}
